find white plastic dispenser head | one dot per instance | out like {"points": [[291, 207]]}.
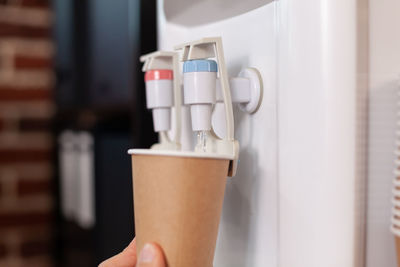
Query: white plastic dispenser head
{"points": [[199, 81], [163, 92], [160, 97], [199, 77]]}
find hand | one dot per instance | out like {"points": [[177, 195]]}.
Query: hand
{"points": [[150, 256]]}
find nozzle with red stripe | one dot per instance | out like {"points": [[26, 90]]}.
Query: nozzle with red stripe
{"points": [[162, 94], [160, 97]]}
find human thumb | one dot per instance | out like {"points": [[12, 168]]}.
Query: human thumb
{"points": [[151, 256]]}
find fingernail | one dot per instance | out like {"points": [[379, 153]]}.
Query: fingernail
{"points": [[147, 254]]}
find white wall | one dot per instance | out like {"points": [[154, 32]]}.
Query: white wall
{"points": [[384, 79]]}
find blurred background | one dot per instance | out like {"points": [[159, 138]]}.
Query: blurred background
{"points": [[71, 104]]}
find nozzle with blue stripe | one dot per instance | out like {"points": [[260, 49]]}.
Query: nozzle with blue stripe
{"points": [[200, 75]]}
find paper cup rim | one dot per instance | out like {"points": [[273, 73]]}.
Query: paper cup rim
{"points": [[174, 153]]}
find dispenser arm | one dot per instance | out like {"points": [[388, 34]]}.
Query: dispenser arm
{"points": [[246, 89]]}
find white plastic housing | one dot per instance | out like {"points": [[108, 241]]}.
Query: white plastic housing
{"points": [[161, 119], [160, 98], [200, 92], [201, 117], [159, 94]]}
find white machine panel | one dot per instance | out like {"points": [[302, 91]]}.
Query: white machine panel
{"points": [[293, 202]]}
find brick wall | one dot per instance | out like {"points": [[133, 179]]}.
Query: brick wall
{"points": [[26, 81]]}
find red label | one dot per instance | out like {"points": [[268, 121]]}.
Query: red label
{"points": [[158, 75]]}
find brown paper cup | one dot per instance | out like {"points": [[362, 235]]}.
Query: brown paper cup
{"points": [[397, 240], [178, 202]]}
